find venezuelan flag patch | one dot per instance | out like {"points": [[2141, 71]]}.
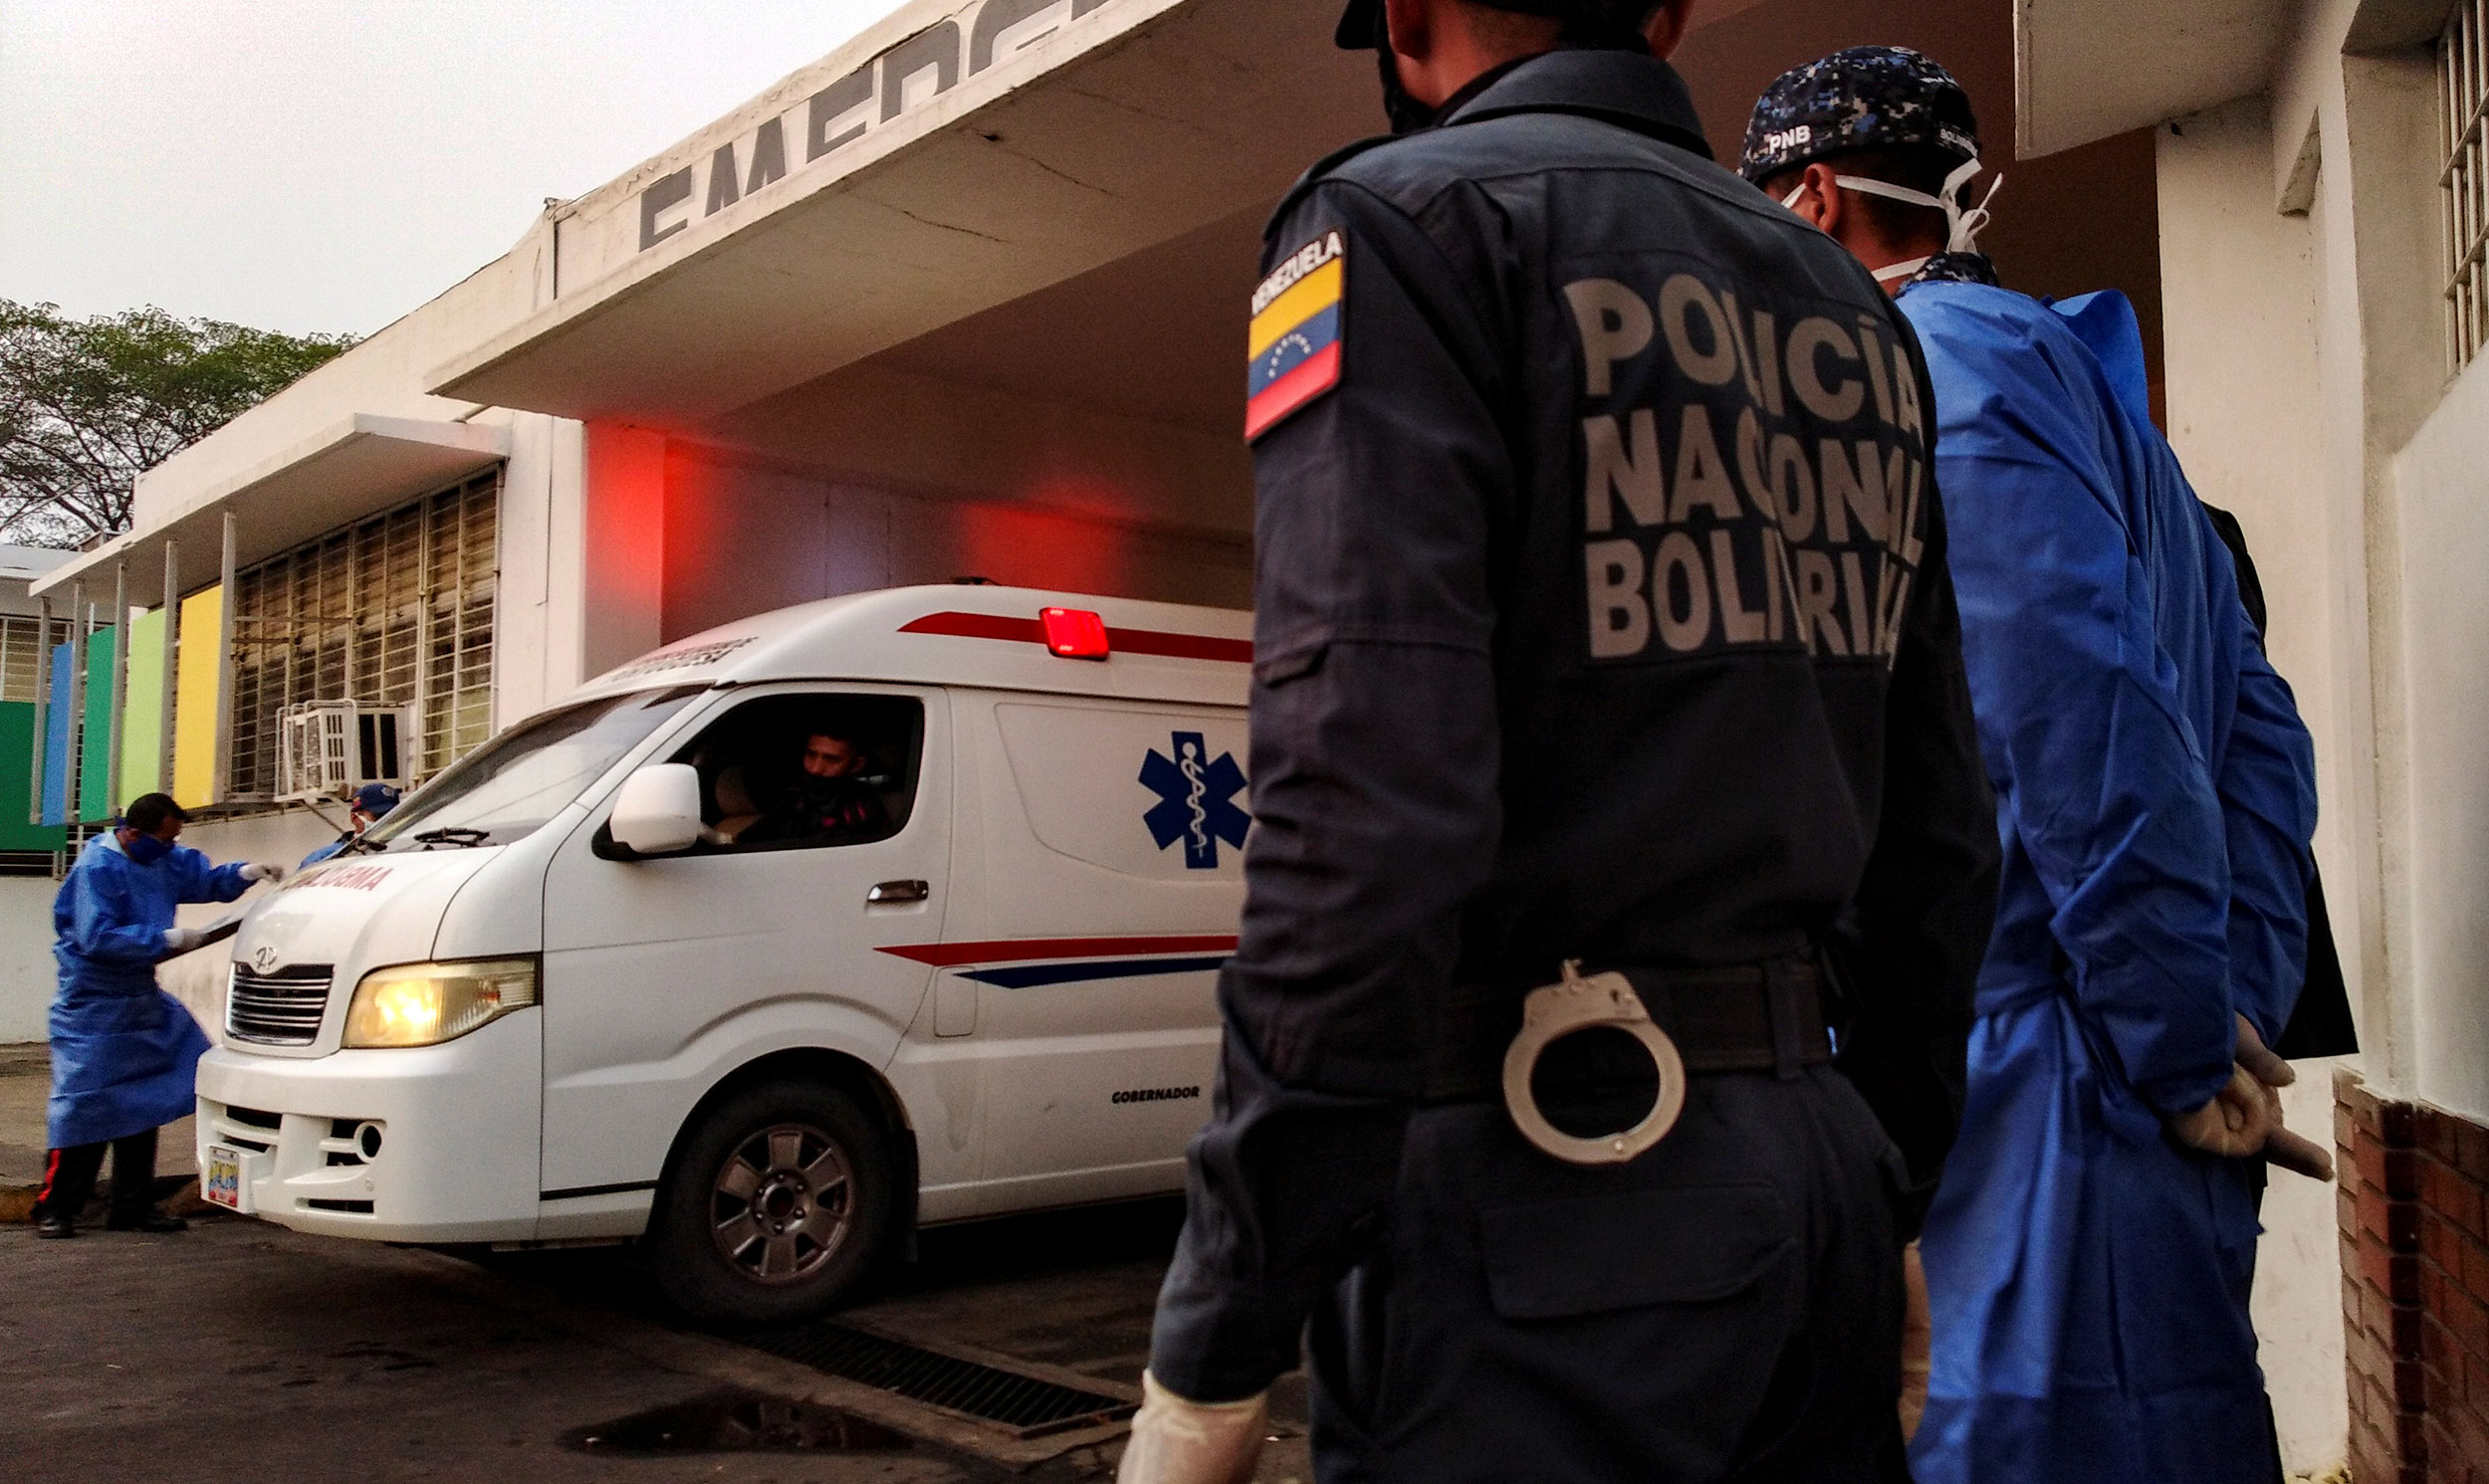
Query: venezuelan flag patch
{"points": [[1292, 352]]}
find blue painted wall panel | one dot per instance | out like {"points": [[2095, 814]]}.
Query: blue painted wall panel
{"points": [[58, 729]]}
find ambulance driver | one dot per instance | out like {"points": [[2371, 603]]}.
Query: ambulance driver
{"points": [[831, 800]]}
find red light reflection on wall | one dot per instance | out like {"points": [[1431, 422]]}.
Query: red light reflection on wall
{"points": [[1023, 547], [624, 538], [733, 540]]}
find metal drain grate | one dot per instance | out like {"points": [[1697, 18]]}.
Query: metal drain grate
{"points": [[1028, 1406]]}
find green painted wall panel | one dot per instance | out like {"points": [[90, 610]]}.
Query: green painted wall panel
{"points": [[94, 761], [142, 712], [17, 757]]}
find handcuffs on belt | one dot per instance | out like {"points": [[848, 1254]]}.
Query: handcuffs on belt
{"points": [[1577, 1003]]}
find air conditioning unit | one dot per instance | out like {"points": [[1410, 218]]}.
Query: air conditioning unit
{"points": [[329, 749]]}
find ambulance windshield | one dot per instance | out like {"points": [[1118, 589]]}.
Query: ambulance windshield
{"points": [[507, 788]]}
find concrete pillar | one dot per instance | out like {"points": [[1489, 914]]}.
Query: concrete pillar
{"points": [[536, 652]]}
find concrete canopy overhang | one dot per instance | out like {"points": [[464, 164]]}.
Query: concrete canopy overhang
{"points": [[2089, 69], [357, 468], [968, 156]]}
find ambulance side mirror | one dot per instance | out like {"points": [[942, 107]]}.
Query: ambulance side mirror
{"points": [[658, 810]]}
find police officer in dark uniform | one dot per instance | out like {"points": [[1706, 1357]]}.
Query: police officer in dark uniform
{"points": [[1602, 616]]}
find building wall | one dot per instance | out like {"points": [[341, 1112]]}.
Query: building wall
{"points": [[2309, 391], [26, 976], [2353, 138], [2415, 1270], [2441, 484], [934, 541], [2244, 413], [743, 536], [890, 427]]}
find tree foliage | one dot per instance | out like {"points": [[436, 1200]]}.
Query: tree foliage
{"points": [[86, 405]]}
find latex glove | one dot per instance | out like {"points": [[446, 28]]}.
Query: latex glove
{"points": [[1175, 1441], [2281, 1146], [2299, 1156], [2261, 1063], [263, 871], [182, 940], [2236, 1123]]}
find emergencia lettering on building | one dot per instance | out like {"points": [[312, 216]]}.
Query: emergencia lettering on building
{"points": [[1753, 474], [896, 82]]}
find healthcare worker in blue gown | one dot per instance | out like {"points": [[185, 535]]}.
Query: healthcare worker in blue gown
{"points": [[2092, 1242], [123, 1052]]}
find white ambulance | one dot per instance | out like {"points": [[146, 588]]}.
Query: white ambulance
{"points": [[894, 909]]}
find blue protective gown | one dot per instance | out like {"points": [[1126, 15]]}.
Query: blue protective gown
{"points": [[2088, 1274], [123, 1052]]}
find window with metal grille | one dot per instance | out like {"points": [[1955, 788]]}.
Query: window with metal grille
{"points": [[2463, 89], [22, 648], [396, 611]]}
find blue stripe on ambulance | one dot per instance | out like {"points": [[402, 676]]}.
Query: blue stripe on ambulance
{"points": [[1031, 976]]}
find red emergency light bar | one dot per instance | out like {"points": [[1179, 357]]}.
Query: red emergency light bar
{"points": [[1114, 641], [1074, 633]]}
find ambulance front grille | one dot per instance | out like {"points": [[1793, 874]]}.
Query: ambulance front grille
{"points": [[281, 1009]]}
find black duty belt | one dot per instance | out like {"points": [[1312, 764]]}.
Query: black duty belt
{"points": [[1739, 1017]]}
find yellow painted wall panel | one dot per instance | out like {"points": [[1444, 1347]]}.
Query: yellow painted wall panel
{"points": [[195, 722]]}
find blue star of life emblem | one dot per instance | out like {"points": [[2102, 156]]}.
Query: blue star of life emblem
{"points": [[1194, 800]]}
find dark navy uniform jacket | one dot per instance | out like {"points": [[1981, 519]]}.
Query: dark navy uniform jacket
{"points": [[1601, 613]]}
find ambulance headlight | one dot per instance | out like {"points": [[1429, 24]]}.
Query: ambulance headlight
{"points": [[424, 1005]]}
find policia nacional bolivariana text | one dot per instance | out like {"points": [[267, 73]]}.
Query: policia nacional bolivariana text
{"points": [[1823, 535]]}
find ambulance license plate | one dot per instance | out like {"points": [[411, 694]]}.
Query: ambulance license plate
{"points": [[220, 1179]]}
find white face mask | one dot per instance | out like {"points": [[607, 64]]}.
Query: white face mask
{"points": [[1963, 227]]}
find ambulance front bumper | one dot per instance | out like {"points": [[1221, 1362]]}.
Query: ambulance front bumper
{"points": [[430, 1144]]}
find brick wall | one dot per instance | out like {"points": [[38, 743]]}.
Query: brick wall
{"points": [[2415, 1227]]}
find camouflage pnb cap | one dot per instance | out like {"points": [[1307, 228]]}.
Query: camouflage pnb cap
{"points": [[1865, 97]]}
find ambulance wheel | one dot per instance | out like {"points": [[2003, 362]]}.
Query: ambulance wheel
{"points": [[780, 1200]]}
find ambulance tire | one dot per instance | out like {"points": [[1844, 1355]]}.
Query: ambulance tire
{"points": [[781, 1200]]}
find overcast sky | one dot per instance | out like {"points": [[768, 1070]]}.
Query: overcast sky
{"points": [[330, 164]]}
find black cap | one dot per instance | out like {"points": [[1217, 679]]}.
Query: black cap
{"points": [[1865, 97], [147, 812], [1361, 21], [1356, 31]]}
